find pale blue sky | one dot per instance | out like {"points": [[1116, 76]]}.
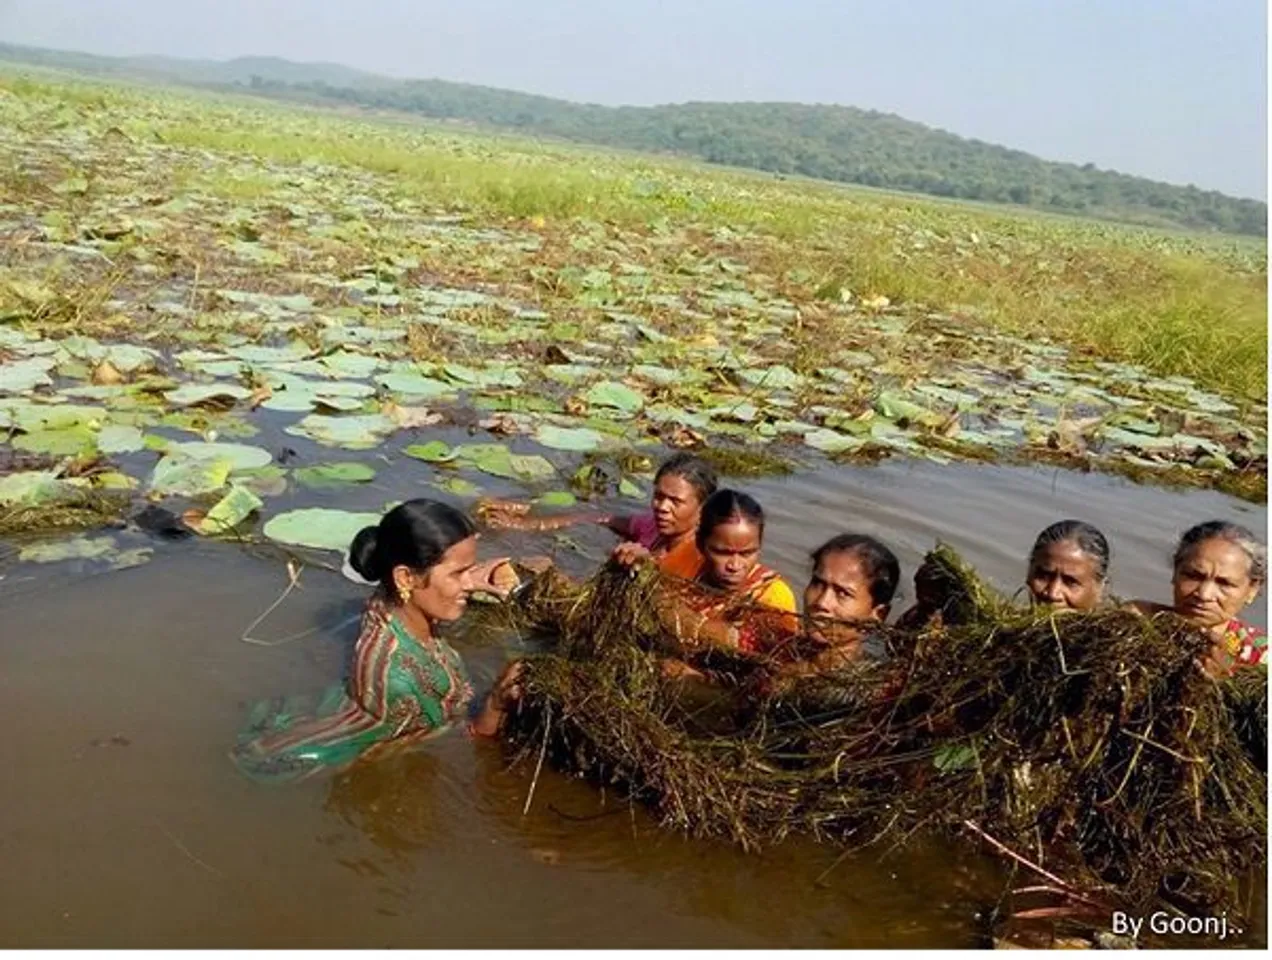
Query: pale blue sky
{"points": [[1171, 89]]}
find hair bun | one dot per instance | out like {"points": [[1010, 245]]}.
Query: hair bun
{"points": [[364, 554]]}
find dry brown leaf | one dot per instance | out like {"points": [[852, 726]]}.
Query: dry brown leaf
{"points": [[501, 424], [683, 437], [105, 374], [410, 418]]}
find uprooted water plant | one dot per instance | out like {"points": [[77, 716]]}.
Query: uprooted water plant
{"points": [[1088, 746]]}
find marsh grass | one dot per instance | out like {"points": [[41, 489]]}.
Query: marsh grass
{"points": [[1178, 303]]}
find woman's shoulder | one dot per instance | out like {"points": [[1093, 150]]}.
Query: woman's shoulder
{"points": [[774, 591], [643, 529]]}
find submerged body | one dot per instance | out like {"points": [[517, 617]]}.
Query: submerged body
{"points": [[401, 690], [406, 683]]}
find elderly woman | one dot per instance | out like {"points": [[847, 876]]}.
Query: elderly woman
{"points": [[1219, 569], [1068, 567]]}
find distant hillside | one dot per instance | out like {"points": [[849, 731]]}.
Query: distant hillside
{"points": [[199, 72], [844, 144]]}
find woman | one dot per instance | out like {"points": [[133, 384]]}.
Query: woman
{"points": [[730, 536], [406, 683], [850, 592], [1219, 569], [853, 583], [666, 533], [1068, 567]]}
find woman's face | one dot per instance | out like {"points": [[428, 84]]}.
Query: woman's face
{"points": [[840, 591], [676, 506], [731, 551], [1212, 583], [1063, 576], [441, 592]]}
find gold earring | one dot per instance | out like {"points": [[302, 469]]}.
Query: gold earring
{"points": [[404, 593]]}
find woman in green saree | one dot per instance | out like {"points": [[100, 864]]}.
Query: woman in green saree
{"points": [[406, 683]]}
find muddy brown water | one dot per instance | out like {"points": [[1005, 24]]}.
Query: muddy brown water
{"points": [[123, 824]]}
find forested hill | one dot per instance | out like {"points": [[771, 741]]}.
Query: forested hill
{"points": [[844, 144]]}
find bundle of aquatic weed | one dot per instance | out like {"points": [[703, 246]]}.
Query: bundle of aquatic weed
{"points": [[1246, 694], [1092, 744]]}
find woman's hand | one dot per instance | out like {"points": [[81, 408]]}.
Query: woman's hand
{"points": [[496, 577], [630, 554]]}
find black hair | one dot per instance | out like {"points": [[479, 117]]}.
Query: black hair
{"points": [[1089, 540], [883, 570], [1232, 532], [724, 505], [693, 470], [414, 534]]}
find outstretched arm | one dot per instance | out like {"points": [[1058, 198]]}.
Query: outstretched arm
{"points": [[512, 515]]}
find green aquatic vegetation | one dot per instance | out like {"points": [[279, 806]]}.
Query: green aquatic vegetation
{"points": [[794, 324], [435, 451], [351, 433], [615, 396], [745, 462], [557, 498], [334, 475], [319, 529], [578, 439], [230, 512], [85, 548]]}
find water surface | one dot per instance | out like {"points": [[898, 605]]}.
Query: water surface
{"points": [[125, 825]]}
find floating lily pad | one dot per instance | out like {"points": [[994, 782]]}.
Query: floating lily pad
{"points": [[832, 441], [194, 394], [270, 481], [498, 461], [326, 475], [319, 528], [239, 456], [415, 385], [557, 498], [579, 439], [77, 548], [23, 376], [72, 442], [776, 377], [178, 476], [351, 366], [435, 451], [662, 376], [615, 396], [896, 407], [31, 488], [457, 486], [116, 439], [235, 507], [352, 433]]}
